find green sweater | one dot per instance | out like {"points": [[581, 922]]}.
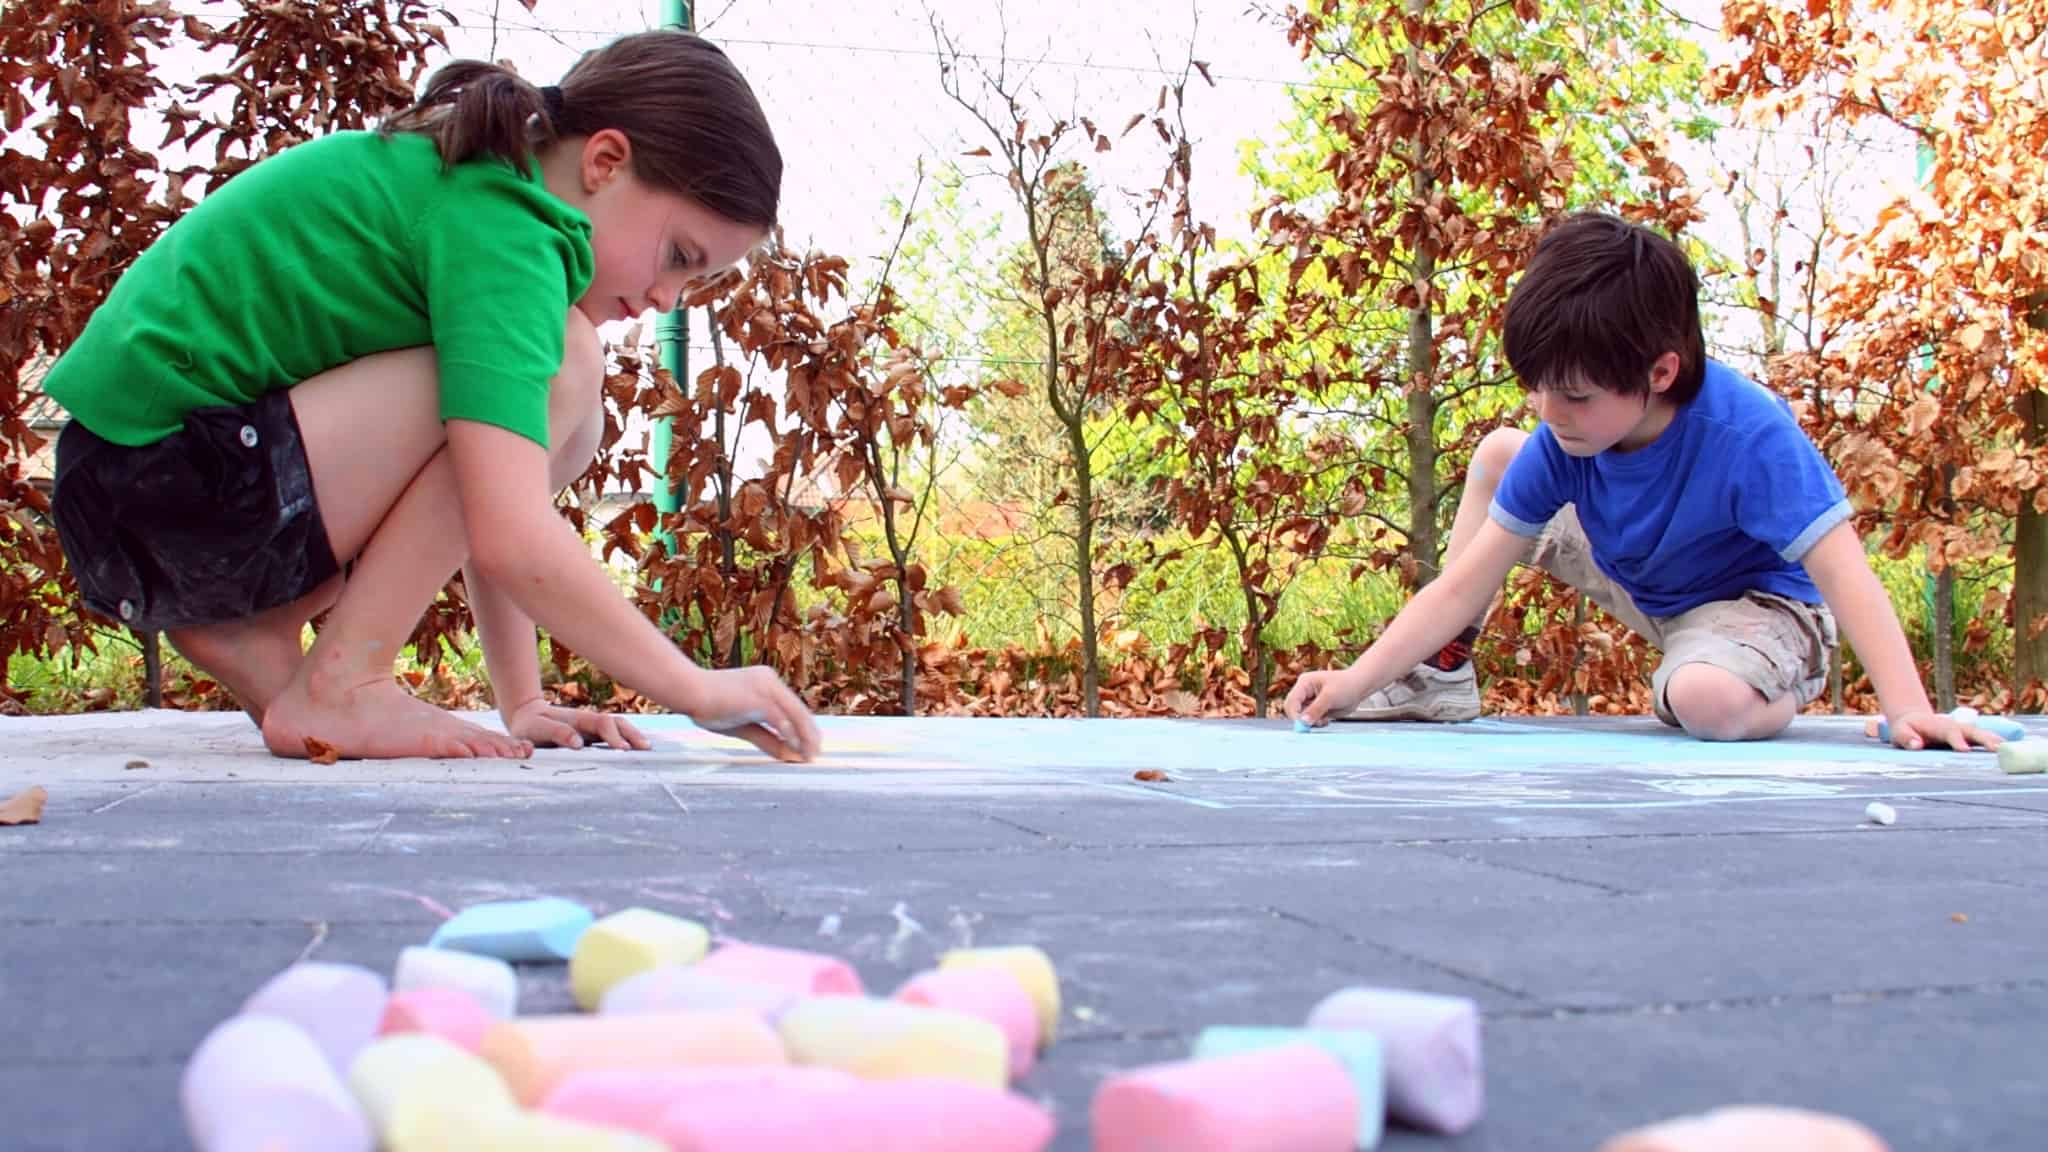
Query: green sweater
{"points": [[327, 252]]}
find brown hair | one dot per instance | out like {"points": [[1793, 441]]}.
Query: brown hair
{"points": [[1600, 302], [695, 126]]}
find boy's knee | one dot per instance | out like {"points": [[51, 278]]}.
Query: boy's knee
{"points": [[1713, 703]]}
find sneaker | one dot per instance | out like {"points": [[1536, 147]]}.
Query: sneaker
{"points": [[1426, 693]]}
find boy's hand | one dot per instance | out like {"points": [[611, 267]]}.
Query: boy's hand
{"points": [[1317, 694], [1917, 730], [542, 724], [756, 706]]}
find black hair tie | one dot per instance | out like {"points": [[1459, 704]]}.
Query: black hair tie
{"points": [[551, 99]]}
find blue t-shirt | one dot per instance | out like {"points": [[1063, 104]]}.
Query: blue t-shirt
{"points": [[1727, 500]]}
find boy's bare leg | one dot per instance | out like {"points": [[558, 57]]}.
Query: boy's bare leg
{"points": [[1715, 704], [343, 694]]}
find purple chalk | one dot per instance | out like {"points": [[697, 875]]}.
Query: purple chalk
{"points": [[1435, 1081], [259, 1082], [339, 1005]]}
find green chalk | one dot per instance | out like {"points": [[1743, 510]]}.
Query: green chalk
{"points": [[1358, 1051], [2023, 757]]}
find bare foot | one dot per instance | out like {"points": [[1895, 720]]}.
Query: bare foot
{"points": [[377, 721]]}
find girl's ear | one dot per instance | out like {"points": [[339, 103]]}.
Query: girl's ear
{"points": [[607, 155]]}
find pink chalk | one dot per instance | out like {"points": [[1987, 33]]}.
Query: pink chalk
{"points": [[1435, 1080], [640, 1099], [811, 973], [338, 1005], [989, 992], [1288, 1099], [259, 1082], [447, 1012], [870, 1116], [689, 989]]}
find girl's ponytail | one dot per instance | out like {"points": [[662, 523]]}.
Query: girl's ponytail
{"points": [[474, 109]]}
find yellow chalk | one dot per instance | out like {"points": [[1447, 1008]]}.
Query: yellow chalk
{"points": [[1032, 968], [423, 1067], [453, 1130], [891, 1040], [627, 943], [2023, 757]]}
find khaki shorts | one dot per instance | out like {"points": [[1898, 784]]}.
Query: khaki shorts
{"points": [[1770, 643]]}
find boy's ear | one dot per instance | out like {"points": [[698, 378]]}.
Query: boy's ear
{"points": [[1664, 373], [606, 155]]}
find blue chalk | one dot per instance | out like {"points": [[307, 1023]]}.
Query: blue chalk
{"points": [[1359, 1051], [1301, 725], [1998, 726], [543, 929]]}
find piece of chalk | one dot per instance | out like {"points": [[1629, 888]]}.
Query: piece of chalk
{"points": [[1964, 714], [1359, 1052], [809, 973], [627, 943], [2002, 728], [259, 1082], [535, 1053], [869, 1116], [1032, 968], [988, 992], [1296, 1098], [450, 1013], [487, 979], [693, 990], [891, 1040], [525, 1132], [1878, 812], [1430, 1044], [545, 929], [424, 1065], [1751, 1129], [339, 1005], [1302, 725], [638, 1099], [2023, 757]]}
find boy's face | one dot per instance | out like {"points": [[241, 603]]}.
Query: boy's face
{"points": [[1588, 420]]}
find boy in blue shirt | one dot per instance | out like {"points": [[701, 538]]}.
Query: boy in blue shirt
{"points": [[1678, 495]]}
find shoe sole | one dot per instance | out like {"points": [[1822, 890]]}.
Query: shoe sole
{"points": [[1445, 712]]}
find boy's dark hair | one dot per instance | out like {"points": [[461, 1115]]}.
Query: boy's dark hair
{"points": [[1601, 300], [695, 125]]}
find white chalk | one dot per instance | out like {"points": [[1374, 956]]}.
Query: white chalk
{"points": [[2023, 757], [339, 1005], [1881, 813], [488, 979]]}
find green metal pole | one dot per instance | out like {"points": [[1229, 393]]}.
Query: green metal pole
{"points": [[672, 334], [1941, 586]]}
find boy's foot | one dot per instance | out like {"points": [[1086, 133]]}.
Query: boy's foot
{"points": [[378, 721], [1426, 693]]}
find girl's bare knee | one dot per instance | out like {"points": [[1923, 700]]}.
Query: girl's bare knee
{"points": [[576, 403]]}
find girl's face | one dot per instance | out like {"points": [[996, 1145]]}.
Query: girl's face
{"points": [[650, 244]]}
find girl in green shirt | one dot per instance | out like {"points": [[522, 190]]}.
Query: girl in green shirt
{"points": [[371, 360]]}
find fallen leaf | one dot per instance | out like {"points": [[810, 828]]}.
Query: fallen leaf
{"points": [[1960, 918], [25, 808], [1153, 776], [132, 765], [321, 751]]}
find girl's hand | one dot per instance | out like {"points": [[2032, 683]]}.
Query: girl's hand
{"points": [[756, 706], [546, 725]]}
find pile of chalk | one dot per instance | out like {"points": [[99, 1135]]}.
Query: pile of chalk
{"points": [[683, 1044]]}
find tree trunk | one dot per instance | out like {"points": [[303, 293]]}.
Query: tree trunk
{"points": [[1423, 541], [1084, 561], [1943, 629], [1255, 656], [2030, 565]]}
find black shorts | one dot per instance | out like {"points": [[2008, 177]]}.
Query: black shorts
{"points": [[215, 522]]}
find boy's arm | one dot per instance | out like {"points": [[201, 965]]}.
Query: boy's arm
{"points": [[1868, 621], [1432, 618]]}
